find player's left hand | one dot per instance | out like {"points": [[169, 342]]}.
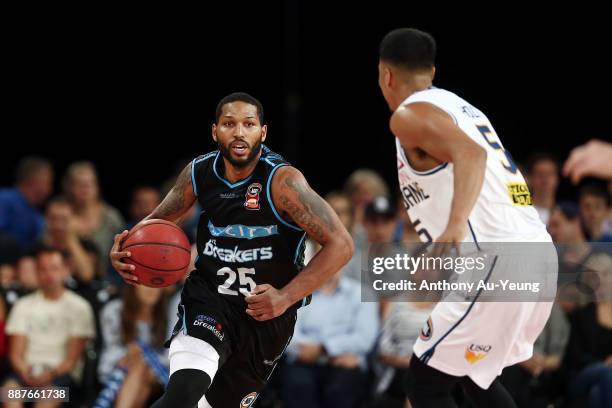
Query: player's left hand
{"points": [[266, 302], [450, 238]]}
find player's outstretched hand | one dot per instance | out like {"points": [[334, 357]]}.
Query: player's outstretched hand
{"points": [[266, 302], [591, 159], [116, 256]]}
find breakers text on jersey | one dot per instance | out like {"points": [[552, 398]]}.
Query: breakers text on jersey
{"points": [[236, 255]]}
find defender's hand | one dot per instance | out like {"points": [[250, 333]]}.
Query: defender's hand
{"points": [[116, 256], [266, 302]]}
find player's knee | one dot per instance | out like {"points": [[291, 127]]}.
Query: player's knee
{"points": [[187, 352], [187, 386]]}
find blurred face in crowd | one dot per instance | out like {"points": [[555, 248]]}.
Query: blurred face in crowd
{"points": [[144, 202], [239, 133], [593, 210], [342, 206], [7, 275], [26, 272], [42, 185], [544, 178], [52, 271], [58, 217], [365, 191], [563, 229], [148, 296], [379, 229], [84, 186], [39, 186]]}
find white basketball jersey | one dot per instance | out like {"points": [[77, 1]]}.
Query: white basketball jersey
{"points": [[503, 210]]}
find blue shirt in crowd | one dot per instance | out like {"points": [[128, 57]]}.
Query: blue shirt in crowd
{"points": [[339, 321], [18, 218]]}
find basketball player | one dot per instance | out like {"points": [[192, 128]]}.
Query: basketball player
{"points": [[459, 185], [238, 307]]}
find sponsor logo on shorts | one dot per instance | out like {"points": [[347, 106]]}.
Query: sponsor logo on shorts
{"points": [[519, 194], [235, 254], [211, 324], [427, 330], [243, 231], [476, 352], [251, 201], [248, 400]]}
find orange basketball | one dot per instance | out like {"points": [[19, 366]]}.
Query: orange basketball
{"points": [[160, 251]]}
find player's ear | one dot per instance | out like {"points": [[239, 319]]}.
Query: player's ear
{"points": [[433, 73], [214, 132], [387, 77], [264, 132]]}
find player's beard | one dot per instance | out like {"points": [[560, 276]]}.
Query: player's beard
{"points": [[226, 152]]}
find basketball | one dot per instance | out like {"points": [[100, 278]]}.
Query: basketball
{"points": [[160, 251]]}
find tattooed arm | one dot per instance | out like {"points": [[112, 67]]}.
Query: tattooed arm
{"points": [[297, 202], [178, 201]]}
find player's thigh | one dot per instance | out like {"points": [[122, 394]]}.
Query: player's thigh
{"points": [[248, 369]]}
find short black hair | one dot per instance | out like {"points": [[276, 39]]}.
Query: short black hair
{"points": [[240, 97], [41, 249], [594, 189], [538, 157], [408, 48]]}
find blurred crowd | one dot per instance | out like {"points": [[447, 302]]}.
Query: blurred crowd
{"points": [[67, 319]]}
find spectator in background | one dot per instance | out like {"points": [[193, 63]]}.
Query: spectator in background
{"points": [[7, 275], [61, 233], [144, 201], [27, 275], [594, 203], [327, 357], [141, 314], [589, 356], [362, 186], [19, 215], [25, 281], [593, 159], [399, 333], [380, 220], [341, 204], [48, 329], [380, 224], [95, 219], [566, 230], [543, 180]]}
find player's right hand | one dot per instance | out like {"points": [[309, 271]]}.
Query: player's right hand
{"points": [[117, 256]]}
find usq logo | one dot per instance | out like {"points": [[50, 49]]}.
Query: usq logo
{"points": [[476, 352]]}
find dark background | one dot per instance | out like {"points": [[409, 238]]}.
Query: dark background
{"points": [[135, 91]]}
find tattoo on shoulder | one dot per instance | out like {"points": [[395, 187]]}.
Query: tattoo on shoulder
{"points": [[310, 210], [174, 202]]}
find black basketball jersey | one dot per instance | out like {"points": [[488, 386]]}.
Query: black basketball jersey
{"points": [[242, 240]]}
